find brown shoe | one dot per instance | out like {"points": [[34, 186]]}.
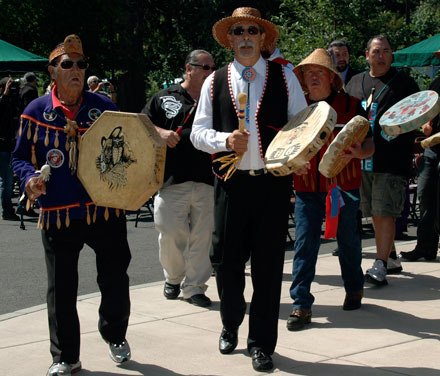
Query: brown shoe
{"points": [[298, 319], [353, 300]]}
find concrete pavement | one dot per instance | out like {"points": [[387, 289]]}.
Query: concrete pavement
{"points": [[396, 332]]}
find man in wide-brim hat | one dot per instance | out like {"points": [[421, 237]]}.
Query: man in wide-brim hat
{"points": [[322, 82], [321, 58], [251, 206], [222, 28]]}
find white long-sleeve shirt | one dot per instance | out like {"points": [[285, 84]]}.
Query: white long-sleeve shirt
{"points": [[207, 139]]}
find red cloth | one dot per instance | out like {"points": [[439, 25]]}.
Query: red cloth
{"points": [[332, 209], [350, 177]]}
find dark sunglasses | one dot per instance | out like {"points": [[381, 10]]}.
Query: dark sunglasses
{"points": [[203, 66], [68, 64], [239, 30]]}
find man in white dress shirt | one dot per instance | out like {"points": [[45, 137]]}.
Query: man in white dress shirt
{"points": [[252, 206]]}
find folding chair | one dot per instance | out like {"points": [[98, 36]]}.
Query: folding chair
{"points": [[149, 205]]}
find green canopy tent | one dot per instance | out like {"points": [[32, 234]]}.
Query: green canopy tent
{"points": [[14, 59], [420, 56]]}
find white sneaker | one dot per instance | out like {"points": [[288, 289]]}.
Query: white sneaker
{"points": [[63, 369], [119, 353], [394, 266], [377, 274]]}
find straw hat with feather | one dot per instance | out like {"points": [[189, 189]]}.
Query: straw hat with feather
{"points": [[322, 58], [221, 28]]}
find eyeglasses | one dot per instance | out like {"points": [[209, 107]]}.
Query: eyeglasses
{"points": [[239, 30], [203, 66], [68, 64]]}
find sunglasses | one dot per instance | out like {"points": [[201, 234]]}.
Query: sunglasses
{"points": [[203, 66], [68, 64], [239, 30]]}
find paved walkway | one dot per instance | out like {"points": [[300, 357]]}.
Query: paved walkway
{"points": [[396, 332]]}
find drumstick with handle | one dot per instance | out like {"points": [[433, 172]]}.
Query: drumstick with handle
{"points": [[231, 160], [43, 177], [242, 99]]}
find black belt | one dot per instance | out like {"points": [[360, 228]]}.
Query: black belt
{"points": [[261, 171]]}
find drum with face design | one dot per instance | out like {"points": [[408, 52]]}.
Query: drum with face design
{"points": [[300, 139], [121, 160]]}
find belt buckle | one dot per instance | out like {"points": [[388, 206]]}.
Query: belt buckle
{"points": [[261, 171]]}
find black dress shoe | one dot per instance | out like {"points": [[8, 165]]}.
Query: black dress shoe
{"points": [[199, 300], [416, 255], [228, 341], [261, 361], [171, 291]]}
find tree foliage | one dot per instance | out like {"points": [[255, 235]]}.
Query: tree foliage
{"points": [[139, 44]]}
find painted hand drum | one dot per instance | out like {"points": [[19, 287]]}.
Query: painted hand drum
{"points": [[300, 139], [121, 160], [410, 113], [354, 131]]}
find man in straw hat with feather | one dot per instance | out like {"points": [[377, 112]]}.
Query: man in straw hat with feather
{"points": [[251, 206], [51, 127], [322, 82]]}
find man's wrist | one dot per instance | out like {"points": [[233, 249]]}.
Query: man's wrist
{"points": [[228, 147]]}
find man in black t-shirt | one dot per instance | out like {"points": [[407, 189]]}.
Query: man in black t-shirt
{"points": [[385, 174], [183, 208]]}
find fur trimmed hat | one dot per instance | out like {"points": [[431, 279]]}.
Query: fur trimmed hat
{"points": [[71, 44]]}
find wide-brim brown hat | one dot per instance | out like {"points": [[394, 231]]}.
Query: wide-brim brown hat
{"points": [[71, 44], [221, 28], [322, 58]]}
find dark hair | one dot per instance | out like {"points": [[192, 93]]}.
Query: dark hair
{"points": [[380, 37], [30, 77], [338, 43], [192, 57]]}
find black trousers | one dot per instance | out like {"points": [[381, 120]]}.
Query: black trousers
{"points": [[251, 217], [62, 248]]}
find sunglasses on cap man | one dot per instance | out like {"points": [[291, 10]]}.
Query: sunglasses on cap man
{"points": [[68, 64]]}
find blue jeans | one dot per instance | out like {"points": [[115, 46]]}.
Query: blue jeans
{"points": [[309, 215], [427, 237], [6, 183]]}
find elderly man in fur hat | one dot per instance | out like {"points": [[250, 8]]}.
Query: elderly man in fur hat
{"points": [[321, 82], [251, 206], [51, 127]]}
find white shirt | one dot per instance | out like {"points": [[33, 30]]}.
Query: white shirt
{"points": [[205, 138]]}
